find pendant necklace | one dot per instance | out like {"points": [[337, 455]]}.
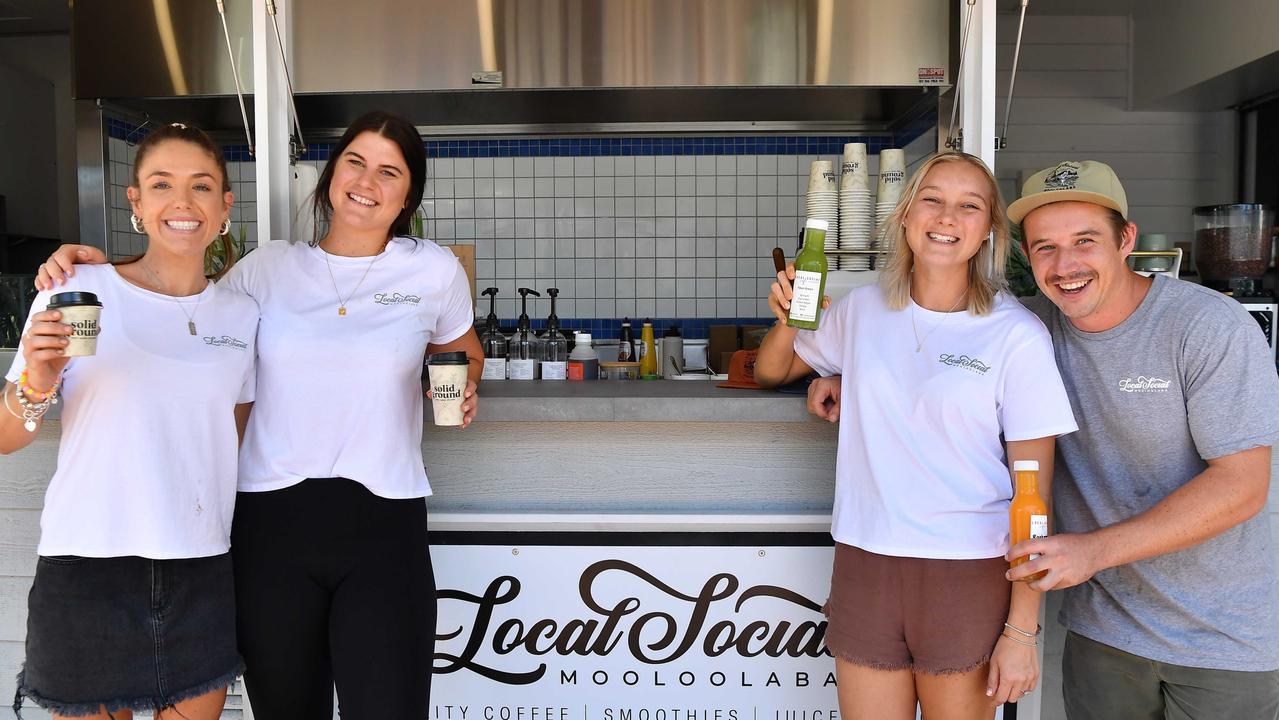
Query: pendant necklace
{"points": [[919, 343], [342, 302], [190, 316]]}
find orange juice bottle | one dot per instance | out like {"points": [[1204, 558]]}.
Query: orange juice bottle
{"points": [[1028, 514]]}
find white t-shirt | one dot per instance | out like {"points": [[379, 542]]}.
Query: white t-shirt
{"points": [[341, 396], [921, 470], [147, 461]]}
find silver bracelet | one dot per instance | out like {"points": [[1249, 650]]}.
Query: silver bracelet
{"points": [[1023, 633], [1018, 641], [31, 411]]}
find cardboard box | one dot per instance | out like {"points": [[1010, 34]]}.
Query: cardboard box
{"points": [[753, 335], [466, 255], [724, 340]]}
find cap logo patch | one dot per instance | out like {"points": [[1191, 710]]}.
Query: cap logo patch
{"points": [[1063, 177]]}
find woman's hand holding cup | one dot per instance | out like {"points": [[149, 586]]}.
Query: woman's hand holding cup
{"points": [[45, 349]]}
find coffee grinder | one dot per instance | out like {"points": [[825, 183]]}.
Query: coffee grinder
{"points": [[1232, 253]]}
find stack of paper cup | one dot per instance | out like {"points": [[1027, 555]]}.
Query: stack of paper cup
{"points": [[822, 202], [892, 180], [856, 221]]}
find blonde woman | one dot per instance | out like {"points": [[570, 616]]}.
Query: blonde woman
{"points": [[947, 381]]}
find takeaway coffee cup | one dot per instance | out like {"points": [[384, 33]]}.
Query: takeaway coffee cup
{"points": [[448, 384], [80, 310]]}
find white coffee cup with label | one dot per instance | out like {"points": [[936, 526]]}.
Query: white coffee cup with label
{"points": [[448, 372], [82, 311]]}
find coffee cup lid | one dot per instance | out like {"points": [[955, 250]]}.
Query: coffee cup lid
{"points": [[68, 299], [448, 358]]}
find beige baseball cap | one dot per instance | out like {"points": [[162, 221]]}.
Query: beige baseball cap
{"points": [[1082, 181]]}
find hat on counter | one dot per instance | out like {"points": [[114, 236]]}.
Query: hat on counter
{"points": [[741, 371], [1084, 181]]}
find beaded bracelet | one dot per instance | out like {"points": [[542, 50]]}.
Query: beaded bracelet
{"points": [[31, 411], [33, 394]]}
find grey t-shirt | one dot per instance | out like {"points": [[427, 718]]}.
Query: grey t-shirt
{"points": [[1186, 378]]}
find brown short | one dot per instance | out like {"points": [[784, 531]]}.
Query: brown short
{"points": [[930, 616]]}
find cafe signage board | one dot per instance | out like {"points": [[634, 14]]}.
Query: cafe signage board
{"points": [[615, 632]]}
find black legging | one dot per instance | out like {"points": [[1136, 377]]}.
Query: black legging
{"points": [[334, 585]]}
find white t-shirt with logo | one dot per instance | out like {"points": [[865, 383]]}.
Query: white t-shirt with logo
{"points": [[341, 395], [921, 470], [147, 460]]}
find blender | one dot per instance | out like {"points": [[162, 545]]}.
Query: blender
{"points": [[553, 344], [493, 342], [522, 351]]}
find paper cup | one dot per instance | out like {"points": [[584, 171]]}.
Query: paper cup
{"points": [[448, 385], [853, 174], [82, 311], [821, 176]]}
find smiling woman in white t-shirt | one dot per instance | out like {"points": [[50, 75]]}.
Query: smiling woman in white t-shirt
{"points": [[333, 572], [946, 381], [132, 605]]}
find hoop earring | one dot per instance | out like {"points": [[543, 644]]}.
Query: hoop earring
{"points": [[226, 227], [137, 224]]}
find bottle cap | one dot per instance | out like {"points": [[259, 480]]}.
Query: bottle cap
{"points": [[816, 224], [582, 338], [1025, 466]]}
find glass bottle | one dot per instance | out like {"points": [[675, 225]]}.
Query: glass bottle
{"points": [[493, 341], [553, 344], [1028, 513], [809, 286]]}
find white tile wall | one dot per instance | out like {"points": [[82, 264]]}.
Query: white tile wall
{"points": [[663, 236], [660, 236]]}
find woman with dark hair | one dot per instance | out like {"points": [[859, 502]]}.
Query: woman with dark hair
{"points": [[332, 568], [132, 607]]}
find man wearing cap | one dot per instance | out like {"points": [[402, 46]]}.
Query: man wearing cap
{"points": [[1162, 545]]}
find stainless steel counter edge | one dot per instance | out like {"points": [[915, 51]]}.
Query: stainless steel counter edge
{"points": [[633, 401]]}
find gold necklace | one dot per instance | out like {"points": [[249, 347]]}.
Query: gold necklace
{"points": [[190, 316], [919, 344], [341, 302]]}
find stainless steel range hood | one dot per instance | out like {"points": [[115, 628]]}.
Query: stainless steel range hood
{"points": [[539, 65]]}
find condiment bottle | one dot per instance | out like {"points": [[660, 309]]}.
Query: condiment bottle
{"points": [[522, 355], [583, 363], [626, 343], [493, 342], [1028, 513], [810, 278], [647, 349], [554, 346]]}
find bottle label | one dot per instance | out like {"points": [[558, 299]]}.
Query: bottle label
{"points": [[807, 297], [523, 369], [624, 351], [494, 369], [1038, 529], [554, 370]]}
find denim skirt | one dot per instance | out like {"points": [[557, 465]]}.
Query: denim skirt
{"points": [[128, 633]]}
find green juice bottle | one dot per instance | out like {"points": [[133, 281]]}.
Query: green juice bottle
{"points": [[809, 286]]}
